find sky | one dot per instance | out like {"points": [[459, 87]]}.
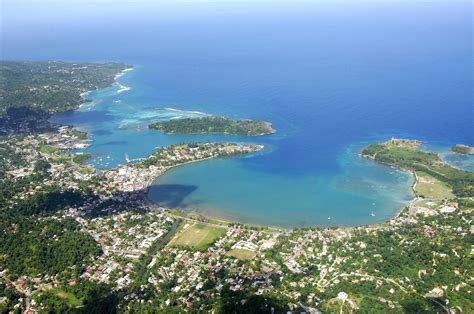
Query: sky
{"points": [[18, 12], [20, 19]]}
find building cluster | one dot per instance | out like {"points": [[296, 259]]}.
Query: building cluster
{"points": [[127, 234], [129, 179], [426, 208], [191, 270], [137, 177], [123, 237]]}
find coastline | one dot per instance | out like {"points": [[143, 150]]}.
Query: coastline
{"points": [[394, 218], [87, 102], [412, 187], [154, 178], [122, 88], [221, 133], [280, 228], [163, 126], [340, 227]]}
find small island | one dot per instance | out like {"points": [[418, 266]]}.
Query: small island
{"points": [[463, 149], [220, 125]]}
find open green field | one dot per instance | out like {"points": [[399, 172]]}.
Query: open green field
{"points": [[242, 254], [71, 298], [218, 222], [176, 212], [433, 204], [48, 149], [432, 188], [335, 303], [197, 236], [80, 158]]}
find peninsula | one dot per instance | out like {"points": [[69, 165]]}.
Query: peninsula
{"points": [[220, 125], [435, 178], [30, 91]]}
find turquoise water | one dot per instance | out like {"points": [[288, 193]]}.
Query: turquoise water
{"points": [[227, 189], [461, 161], [232, 188], [330, 76]]}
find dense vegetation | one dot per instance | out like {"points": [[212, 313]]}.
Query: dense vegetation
{"points": [[83, 297], [32, 246], [407, 157], [9, 158], [49, 201], [52, 86], [31, 242], [213, 125], [24, 120], [463, 149]]}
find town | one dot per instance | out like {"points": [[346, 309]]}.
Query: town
{"points": [[156, 259]]}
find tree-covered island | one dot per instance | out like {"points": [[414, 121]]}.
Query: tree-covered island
{"points": [[221, 125], [463, 149]]}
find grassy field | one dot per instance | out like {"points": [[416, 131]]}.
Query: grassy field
{"points": [[335, 303], [71, 298], [196, 236], [176, 212], [242, 254], [80, 158], [428, 203], [431, 188], [48, 149], [218, 222]]}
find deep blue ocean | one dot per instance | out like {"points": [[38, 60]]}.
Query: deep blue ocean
{"points": [[331, 76]]}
